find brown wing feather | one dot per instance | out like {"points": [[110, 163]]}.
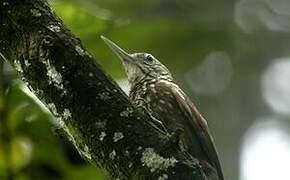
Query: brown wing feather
{"points": [[199, 124]]}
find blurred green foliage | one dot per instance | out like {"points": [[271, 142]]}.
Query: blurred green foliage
{"points": [[31, 147], [134, 26]]}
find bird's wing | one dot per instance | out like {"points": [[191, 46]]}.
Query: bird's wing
{"points": [[198, 123]]}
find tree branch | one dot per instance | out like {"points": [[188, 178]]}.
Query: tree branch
{"points": [[96, 115]]}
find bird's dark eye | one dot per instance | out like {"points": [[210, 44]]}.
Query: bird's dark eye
{"points": [[150, 58]]}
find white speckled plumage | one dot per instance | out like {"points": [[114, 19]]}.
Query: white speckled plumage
{"points": [[154, 90]]}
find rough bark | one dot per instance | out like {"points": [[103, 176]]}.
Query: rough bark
{"points": [[96, 115]]}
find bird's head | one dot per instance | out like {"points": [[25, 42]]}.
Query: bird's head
{"points": [[139, 65]]}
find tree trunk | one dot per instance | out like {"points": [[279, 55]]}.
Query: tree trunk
{"points": [[92, 110]]}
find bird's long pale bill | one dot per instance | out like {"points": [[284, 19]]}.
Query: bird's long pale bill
{"points": [[123, 55]]}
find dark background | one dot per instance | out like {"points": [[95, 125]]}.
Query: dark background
{"points": [[231, 56]]}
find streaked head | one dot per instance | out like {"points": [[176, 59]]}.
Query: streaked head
{"points": [[139, 65]]}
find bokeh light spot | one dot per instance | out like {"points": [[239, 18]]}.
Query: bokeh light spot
{"points": [[266, 152], [276, 85], [212, 76], [256, 15]]}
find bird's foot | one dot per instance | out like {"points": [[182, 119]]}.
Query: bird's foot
{"points": [[175, 138], [159, 127]]}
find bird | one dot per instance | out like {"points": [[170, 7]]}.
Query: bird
{"points": [[153, 88]]}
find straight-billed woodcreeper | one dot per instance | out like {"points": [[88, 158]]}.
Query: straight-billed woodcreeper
{"points": [[153, 88]]}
